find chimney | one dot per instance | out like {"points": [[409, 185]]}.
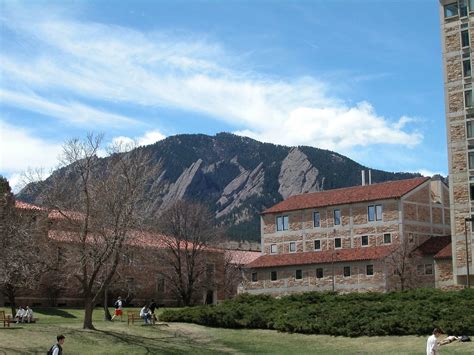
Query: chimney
{"points": [[370, 177], [363, 177]]}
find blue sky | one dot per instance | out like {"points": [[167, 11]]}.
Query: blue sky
{"points": [[363, 78]]}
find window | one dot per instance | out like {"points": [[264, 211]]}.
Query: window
{"points": [[463, 8], [299, 274], [466, 68], [254, 277], [210, 269], [273, 276], [470, 129], [292, 247], [337, 243], [451, 10], [375, 213], [365, 240], [369, 270], [319, 273], [465, 38], [428, 269], [471, 190], [317, 245], [130, 283], [282, 223], [347, 271], [316, 219], [387, 238], [273, 249], [468, 98], [160, 284], [471, 160], [337, 217]]}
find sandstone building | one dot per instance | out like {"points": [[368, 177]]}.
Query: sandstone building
{"points": [[343, 239], [457, 34], [142, 274]]}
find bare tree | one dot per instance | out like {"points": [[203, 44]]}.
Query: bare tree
{"points": [[402, 263], [96, 211], [189, 232], [232, 273], [23, 257]]}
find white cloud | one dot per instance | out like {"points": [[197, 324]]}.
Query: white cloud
{"points": [[73, 112], [120, 65], [147, 138], [20, 150], [430, 173]]}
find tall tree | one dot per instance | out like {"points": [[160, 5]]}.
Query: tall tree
{"points": [[189, 232], [402, 264], [23, 256], [98, 219]]}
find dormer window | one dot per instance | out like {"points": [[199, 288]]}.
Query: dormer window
{"points": [[282, 223]]}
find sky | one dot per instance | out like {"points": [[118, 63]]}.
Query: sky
{"points": [[363, 78]]}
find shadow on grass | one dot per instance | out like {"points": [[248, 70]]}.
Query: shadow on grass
{"points": [[55, 312], [167, 343]]}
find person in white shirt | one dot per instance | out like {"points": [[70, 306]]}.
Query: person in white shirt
{"points": [[145, 313], [118, 308], [432, 345], [57, 349], [20, 314], [28, 315]]}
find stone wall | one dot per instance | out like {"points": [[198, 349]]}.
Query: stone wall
{"points": [[287, 283]]}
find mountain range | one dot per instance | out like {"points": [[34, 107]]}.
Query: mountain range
{"points": [[237, 177]]}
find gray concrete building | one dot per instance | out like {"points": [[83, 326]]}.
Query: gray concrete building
{"points": [[457, 35]]}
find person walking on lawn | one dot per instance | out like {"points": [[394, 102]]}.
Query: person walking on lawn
{"points": [[432, 344], [118, 309], [57, 349]]}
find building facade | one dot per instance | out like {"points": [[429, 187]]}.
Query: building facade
{"points": [[457, 34], [144, 272], [340, 239]]}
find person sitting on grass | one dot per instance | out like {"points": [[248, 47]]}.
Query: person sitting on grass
{"points": [[57, 349], [20, 314], [145, 313], [28, 315]]}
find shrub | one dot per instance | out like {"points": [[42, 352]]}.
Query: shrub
{"points": [[414, 312]]}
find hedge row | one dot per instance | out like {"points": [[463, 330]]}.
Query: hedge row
{"points": [[414, 312]]}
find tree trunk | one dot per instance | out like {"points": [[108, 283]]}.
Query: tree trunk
{"points": [[88, 309], [10, 293], [107, 315]]}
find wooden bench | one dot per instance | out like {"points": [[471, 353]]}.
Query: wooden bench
{"points": [[132, 316], [6, 319]]}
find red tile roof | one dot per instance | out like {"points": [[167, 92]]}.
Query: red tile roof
{"points": [[384, 190], [53, 214], [321, 257], [433, 245], [136, 239], [445, 253], [241, 257]]}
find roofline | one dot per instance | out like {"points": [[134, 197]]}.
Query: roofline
{"points": [[349, 203]]}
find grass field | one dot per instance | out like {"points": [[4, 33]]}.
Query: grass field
{"points": [[179, 338]]}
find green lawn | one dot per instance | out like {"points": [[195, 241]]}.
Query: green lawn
{"points": [[174, 338]]}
